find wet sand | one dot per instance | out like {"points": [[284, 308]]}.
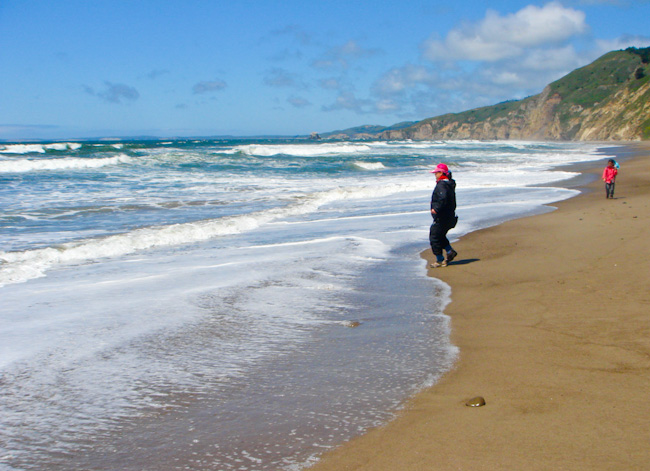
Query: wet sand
{"points": [[552, 317]]}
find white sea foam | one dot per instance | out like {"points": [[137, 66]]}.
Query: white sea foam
{"points": [[369, 165], [28, 165], [38, 148]]}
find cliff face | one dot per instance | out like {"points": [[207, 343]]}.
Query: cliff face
{"points": [[607, 100]]}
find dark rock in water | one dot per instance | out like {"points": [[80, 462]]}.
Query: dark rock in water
{"points": [[314, 136], [477, 401], [352, 323]]}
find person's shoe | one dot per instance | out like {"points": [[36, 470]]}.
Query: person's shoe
{"points": [[439, 264], [451, 255]]}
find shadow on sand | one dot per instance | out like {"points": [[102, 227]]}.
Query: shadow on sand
{"points": [[465, 261]]}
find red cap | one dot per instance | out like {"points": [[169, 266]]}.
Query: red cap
{"points": [[441, 168]]}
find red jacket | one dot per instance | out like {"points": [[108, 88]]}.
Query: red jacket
{"points": [[609, 174]]}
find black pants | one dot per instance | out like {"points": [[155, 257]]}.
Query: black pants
{"points": [[438, 235], [609, 189]]}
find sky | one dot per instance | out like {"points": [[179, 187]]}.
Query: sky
{"points": [[123, 68]]}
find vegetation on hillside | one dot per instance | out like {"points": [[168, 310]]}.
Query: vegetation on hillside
{"points": [[590, 85]]}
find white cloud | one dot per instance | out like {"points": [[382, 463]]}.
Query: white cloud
{"points": [[499, 37]]}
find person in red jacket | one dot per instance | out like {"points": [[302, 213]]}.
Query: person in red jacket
{"points": [[609, 177]]}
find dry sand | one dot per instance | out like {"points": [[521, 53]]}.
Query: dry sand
{"points": [[552, 317]]}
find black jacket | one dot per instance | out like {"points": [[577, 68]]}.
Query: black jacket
{"points": [[443, 200]]}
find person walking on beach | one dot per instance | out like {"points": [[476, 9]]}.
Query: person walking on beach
{"points": [[609, 177], [443, 211]]}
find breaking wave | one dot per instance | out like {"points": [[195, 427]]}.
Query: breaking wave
{"points": [[38, 148], [29, 165], [369, 165]]}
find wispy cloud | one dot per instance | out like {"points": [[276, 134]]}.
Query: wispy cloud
{"points": [[209, 86], [114, 92]]}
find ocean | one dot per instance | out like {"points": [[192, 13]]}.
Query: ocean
{"points": [[231, 304]]}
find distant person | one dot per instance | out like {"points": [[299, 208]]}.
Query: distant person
{"points": [[609, 177], [443, 211]]}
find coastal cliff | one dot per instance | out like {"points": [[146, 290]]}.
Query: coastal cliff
{"points": [[607, 100]]}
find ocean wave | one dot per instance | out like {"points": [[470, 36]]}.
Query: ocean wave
{"points": [[39, 148], [300, 150], [20, 266], [29, 165], [369, 165]]}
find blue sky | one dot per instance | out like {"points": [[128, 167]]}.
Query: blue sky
{"points": [[106, 68]]}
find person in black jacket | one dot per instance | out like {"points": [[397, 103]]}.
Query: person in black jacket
{"points": [[443, 211]]}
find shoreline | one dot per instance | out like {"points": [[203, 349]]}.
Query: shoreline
{"points": [[550, 315]]}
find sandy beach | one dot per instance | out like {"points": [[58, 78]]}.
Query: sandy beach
{"points": [[552, 317]]}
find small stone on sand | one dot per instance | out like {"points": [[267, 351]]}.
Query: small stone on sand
{"points": [[477, 401]]}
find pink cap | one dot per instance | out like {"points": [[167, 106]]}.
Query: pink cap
{"points": [[441, 168]]}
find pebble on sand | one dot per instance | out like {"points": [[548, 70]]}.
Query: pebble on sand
{"points": [[477, 401]]}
